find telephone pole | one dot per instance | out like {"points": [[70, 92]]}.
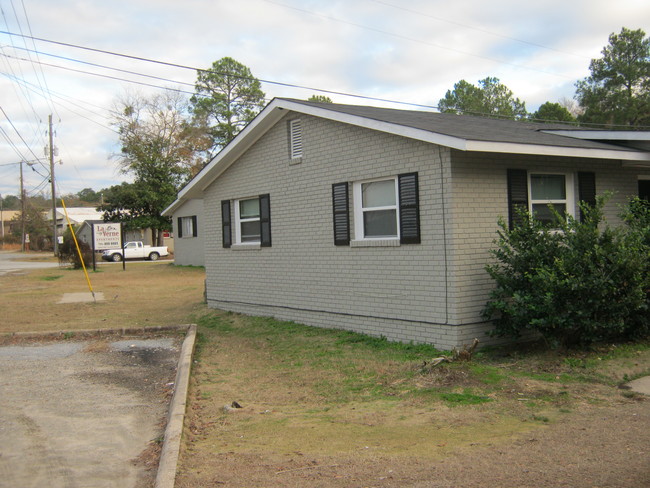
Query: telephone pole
{"points": [[22, 209], [55, 240]]}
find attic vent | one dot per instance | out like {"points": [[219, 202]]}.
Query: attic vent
{"points": [[295, 139]]}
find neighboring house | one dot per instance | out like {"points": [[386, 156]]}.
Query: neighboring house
{"points": [[188, 232], [76, 215], [380, 221], [9, 222]]}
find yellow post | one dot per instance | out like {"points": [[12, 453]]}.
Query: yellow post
{"points": [[81, 258]]}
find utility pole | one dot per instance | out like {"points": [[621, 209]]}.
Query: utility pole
{"points": [[22, 209], [2, 221], [55, 240]]}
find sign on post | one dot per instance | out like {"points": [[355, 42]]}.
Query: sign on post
{"points": [[107, 235]]}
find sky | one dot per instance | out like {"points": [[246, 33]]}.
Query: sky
{"points": [[367, 52]]}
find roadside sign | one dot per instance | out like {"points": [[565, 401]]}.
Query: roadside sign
{"points": [[107, 236]]}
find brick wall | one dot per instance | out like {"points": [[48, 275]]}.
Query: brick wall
{"points": [[188, 250], [430, 292], [479, 199]]}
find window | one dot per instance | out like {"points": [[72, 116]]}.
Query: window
{"points": [[385, 209], [550, 191], [536, 191], [375, 209], [295, 139], [187, 227], [247, 221], [252, 222]]}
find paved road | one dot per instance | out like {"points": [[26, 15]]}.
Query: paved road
{"points": [[15, 261], [83, 414]]}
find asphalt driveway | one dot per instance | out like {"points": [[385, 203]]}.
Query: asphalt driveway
{"points": [[11, 261], [84, 413]]}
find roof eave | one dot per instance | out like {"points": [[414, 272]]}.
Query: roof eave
{"points": [[275, 110], [571, 152]]}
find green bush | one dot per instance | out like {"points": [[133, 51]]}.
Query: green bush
{"points": [[581, 283], [68, 251]]}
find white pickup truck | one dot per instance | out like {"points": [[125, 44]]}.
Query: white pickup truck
{"points": [[135, 250]]}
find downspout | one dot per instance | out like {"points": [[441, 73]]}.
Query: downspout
{"points": [[444, 233]]}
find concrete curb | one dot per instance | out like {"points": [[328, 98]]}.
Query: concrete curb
{"points": [[166, 476], [81, 333]]}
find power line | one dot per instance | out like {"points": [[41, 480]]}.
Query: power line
{"points": [[180, 66], [478, 29], [411, 39], [16, 130]]}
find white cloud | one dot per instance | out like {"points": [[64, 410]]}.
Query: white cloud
{"points": [[411, 51]]}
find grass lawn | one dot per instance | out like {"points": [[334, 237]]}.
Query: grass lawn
{"points": [[146, 294], [347, 405], [333, 408]]}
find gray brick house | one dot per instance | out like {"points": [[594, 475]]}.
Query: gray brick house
{"points": [[379, 220]]}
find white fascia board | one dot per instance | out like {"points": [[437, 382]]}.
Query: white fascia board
{"points": [[228, 155], [400, 130], [465, 144], [607, 135], [542, 150]]}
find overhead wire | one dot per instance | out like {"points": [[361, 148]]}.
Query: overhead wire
{"points": [[478, 29], [411, 39]]}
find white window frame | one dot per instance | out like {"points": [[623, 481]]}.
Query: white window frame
{"points": [[359, 234], [569, 189], [239, 221], [185, 232]]}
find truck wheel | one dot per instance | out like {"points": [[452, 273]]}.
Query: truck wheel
{"points": [[154, 256], [116, 258]]}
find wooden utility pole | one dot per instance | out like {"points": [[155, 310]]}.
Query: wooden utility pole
{"points": [[55, 237], [22, 209]]}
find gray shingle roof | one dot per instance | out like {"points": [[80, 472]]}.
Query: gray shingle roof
{"points": [[468, 127]]}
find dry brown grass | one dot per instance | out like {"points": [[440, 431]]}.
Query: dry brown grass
{"points": [[343, 415], [146, 294]]}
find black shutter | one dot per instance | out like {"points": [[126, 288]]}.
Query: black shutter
{"points": [[195, 230], [265, 220], [409, 209], [341, 213], [180, 227], [517, 195], [225, 223], [586, 190]]}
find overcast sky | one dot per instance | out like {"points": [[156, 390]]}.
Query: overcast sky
{"points": [[402, 50]]}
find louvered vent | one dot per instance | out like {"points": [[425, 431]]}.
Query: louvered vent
{"points": [[295, 134]]}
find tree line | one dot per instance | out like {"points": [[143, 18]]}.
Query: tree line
{"points": [[166, 139], [616, 94]]}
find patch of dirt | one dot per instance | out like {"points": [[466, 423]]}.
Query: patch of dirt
{"points": [[596, 447]]}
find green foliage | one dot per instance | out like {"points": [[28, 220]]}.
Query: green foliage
{"points": [[552, 112], [67, 251], [319, 99], [227, 97], [490, 99], [39, 230], [618, 89], [10, 202], [157, 153], [465, 398], [583, 283]]}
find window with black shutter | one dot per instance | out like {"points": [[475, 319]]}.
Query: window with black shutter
{"points": [[386, 210], [265, 220], [586, 190], [409, 210], [517, 196], [341, 211], [226, 224]]}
